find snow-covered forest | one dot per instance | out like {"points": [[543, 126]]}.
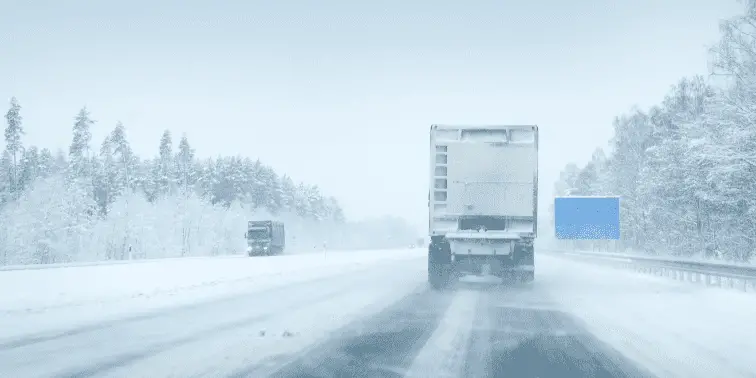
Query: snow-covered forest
{"points": [[100, 201], [686, 168]]}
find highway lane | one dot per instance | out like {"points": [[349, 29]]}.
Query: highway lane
{"points": [[477, 330], [207, 338], [381, 321], [516, 335]]}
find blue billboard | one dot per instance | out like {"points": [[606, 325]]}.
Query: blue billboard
{"points": [[587, 218]]}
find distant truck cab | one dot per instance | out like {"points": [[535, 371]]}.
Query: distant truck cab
{"points": [[482, 202], [265, 238]]}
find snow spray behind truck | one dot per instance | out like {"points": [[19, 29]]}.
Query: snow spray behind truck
{"points": [[483, 202]]}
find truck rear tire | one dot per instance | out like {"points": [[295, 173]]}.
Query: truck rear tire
{"points": [[439, 265], [527, 258], [527, 276]]}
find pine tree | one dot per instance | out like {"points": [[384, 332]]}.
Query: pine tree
{"points": [[185, 164], [6, 172], [164, 171], [107, 188], [13, 133], [46, 163], [79, 151], [30, 167]]}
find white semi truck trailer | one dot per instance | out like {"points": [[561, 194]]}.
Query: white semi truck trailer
{"points": [[483, 202]]}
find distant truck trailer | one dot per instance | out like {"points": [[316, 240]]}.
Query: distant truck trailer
{"points": [[265, 238], [483, 202], [420, 242]]}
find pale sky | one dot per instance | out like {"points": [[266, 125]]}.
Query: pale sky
{"points": [[342, 93]]}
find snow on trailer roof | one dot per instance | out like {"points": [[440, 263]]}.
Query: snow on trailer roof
{"points": [[262, 222], [486, 127]]}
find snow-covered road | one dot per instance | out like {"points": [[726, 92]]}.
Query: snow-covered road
{"points": [[366, 314]]}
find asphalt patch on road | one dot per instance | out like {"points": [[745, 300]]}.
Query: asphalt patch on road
{"points": [[537, 342], [381, 346]]}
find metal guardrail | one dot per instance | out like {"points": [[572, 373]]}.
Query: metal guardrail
{"points": [[710, 273]]}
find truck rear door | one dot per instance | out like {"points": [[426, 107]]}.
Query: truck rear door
{"points": [[483, 171], [492, 172]]}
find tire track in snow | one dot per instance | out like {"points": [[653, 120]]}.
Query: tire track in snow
{"points": [[131, 357], [476, 331], [86, 354], [381, 346], [161, 313], [518, 333], [445, 352]]}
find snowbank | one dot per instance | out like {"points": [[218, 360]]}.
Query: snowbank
{"points": [[672, 328]]}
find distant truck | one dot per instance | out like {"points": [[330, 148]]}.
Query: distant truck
{"points": [[265, 238], [483, 202]]}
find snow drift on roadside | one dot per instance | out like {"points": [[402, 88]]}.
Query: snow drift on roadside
{"points": [[673, 328]]}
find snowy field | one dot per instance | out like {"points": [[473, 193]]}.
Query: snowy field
{"points": [[231, 316]]}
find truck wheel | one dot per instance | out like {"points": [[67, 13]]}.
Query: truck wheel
{"points": [[439, 265], [527, 276], [527, 258], [505, 276], [438, 275]]}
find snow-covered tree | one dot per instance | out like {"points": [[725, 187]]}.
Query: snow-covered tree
{"points": [[164, 167], [112, 204], [30, 167], [13, 132], [107, 186], [79, 151], [686, 168], [185, 168]]}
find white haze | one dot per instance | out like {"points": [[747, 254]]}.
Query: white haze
{"points": [[341, 94], [344, 108]]}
